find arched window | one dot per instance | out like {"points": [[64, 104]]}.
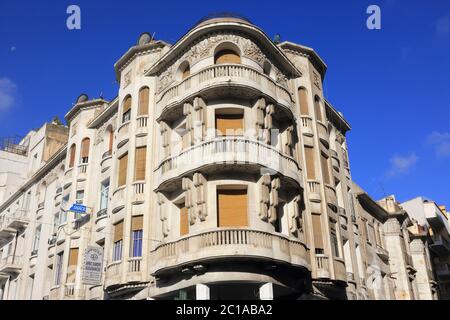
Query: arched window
{"points": [[317, 108], [186, 71], [85, 150], [72, 155], [126, 113], [226, 56], [143, 101], [303, 100]]}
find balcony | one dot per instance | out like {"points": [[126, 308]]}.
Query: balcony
{"points": [[123, 134], [307, 129], [335, 160], [228, 244], [105, 163], [330, 193], [113, 274], [141, 126], [11, 264], [138, 191], [18, 220], [440, 245], [118, 199], [323, 134], [134, 274], [40, 208], [435, 217], [100, 220], [340, 273], [68, 174], [72, 292], [82, 172], [222, 77], [322, 267], [221, 151], [314, 191]]}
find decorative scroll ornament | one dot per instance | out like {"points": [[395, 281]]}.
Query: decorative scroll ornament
{"points": [[188, 199], [268, 122], [163, 215], [199, 120], [201, 196], [264, 197], [294, 216], [274, 200]]}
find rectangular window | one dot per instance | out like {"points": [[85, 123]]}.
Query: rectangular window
{"points": [[104, 194], [230, 124], [184, 221], [79, 200], [139, 167], [63, 212], [143, 101], [72, 266], [232, 207], [317, 229], [58, 269], [310, 164], [325, 171], [37, 236], [137, 225], [126, 115], [55, 222], [123, 167], [334, 243], [137, 243], [118, 240]]}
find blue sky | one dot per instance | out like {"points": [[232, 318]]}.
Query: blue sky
{"points": [[391, 84]]}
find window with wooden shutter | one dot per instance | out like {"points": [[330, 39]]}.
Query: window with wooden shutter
{"points": [[232, 208], [123, 166], [126, 113], [230, 124], [143, 101], [118, 231], [317, 109], [325, 171], [137, 223], [303, 100], [72, 156], [139, 167], [85, 150], [184, 221], [72, 267], [317, 229], [310, 163], [226, 56]]}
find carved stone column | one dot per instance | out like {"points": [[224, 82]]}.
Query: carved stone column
{"points": [[199, 124], [259, 108], [164, 129], [162, 212], [264, 201], [274, 200]]}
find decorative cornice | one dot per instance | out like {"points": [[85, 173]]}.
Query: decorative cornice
{"points": [[199, 32], [90, 104], [337, 118], [306, 52]]}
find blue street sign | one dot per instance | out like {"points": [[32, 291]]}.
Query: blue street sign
{"points": [[78, 208]]}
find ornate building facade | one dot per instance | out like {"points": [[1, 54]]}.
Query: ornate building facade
{"points": [[220, 171]]}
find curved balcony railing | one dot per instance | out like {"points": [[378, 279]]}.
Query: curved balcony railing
{"points": [[323, 134], [307, 128], [107, 154], [229, 243], [211, 76], [228, 150], [123, 132]]}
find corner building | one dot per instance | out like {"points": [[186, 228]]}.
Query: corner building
{"points": [[220, 171]]}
